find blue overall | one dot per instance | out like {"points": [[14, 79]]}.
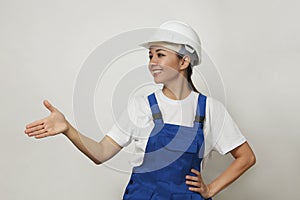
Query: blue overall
{"points": [[171, 152]]}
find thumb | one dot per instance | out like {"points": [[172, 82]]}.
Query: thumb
{"points": [[49, 106]]}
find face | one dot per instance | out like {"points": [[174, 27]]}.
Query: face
{"points": [[164, 65]]}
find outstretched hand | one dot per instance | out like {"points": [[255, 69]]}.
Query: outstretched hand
{"points": [[198, 184], [54, 124]]}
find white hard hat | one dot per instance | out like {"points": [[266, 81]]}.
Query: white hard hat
{"points": [[173, 33]]}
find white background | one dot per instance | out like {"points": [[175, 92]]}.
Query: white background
{"points": [[43, 44]]}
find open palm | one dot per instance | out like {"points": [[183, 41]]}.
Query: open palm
{"points": [[54, 124]]}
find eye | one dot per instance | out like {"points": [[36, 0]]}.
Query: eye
{"points": [[160, 55], [150, 57]]}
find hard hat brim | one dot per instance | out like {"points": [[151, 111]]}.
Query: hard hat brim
{"points": [[172, 37]]}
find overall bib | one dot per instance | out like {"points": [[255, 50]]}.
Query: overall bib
{"points": [[171, 152]]}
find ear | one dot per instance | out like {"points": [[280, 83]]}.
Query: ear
{"points": [[184, 62]]}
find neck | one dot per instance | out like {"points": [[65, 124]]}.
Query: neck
{"points": [[178, 90]]}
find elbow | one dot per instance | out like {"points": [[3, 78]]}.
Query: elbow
{"points": [[97, 162], [251, 160]]}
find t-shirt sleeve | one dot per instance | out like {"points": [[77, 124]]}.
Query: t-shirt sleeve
{"points": [[126, 127], [222, 133]]}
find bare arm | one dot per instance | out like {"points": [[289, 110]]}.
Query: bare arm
{"points": [[56, 123], [98, 152], [244, 159]]}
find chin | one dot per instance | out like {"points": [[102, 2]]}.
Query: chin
{"points": [[158, 81]]}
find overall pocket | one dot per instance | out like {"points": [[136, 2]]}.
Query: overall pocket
{"points": [[179, 143], [176, 151], [176, 157]]}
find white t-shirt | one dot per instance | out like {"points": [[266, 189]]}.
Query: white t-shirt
{"points": [[135, 124]]}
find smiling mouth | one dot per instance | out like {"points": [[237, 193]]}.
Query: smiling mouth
{"points": [[156, 72]]}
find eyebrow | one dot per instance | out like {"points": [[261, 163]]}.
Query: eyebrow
{"points": [[157, 50]]}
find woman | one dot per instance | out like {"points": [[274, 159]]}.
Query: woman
{"points": [[178, 120]]}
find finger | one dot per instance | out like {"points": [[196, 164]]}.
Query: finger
{"points": [[193, 183], [195, 189], [200, 190], [49, 106], [196, 172], [35, 133], [193, 178], [35, 128], [42, 135], [36, 123]]}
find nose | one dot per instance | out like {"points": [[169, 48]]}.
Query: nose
{"points": [[153, 61], [152, 65]]}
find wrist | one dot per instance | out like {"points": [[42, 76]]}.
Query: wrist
{"points": [[210, 192], [69, 127]]}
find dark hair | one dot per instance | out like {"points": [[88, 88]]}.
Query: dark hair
{"points": [[189, 75]]}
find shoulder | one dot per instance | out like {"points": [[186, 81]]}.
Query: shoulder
{"points": [[215, 112], [214, 105]]}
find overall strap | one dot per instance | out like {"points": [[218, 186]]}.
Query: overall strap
{"points": [[200, 112], [156, 113]]}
